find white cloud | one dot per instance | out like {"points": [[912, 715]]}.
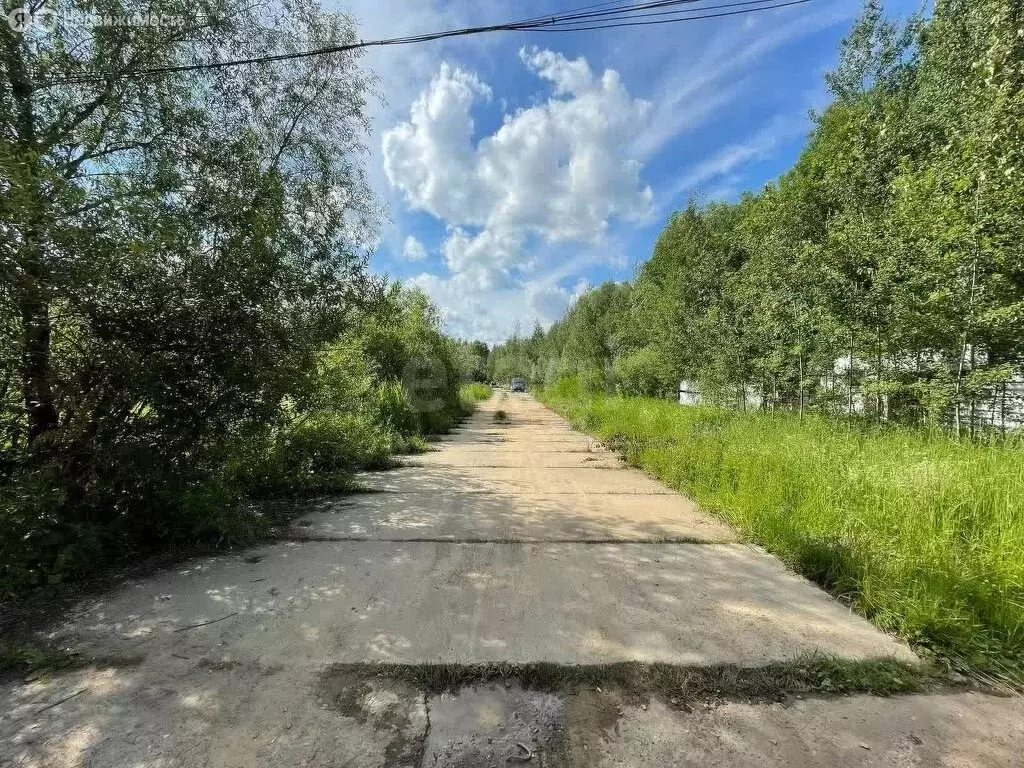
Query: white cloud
{"points": [[721, 166], [547, 300], [556, 172], [402, 71], [413, 249], [430, 157], [487, 259], [492, 315], [561, 169]]}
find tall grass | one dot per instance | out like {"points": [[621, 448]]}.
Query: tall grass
{"points": [[923, 534], [471, 394]]}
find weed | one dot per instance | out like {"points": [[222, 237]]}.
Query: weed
{"points": [[470, 395], [806, 675], [28, 658]]}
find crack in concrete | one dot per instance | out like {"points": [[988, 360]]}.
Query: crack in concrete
{"points": [[811, 674], [426, 730]]}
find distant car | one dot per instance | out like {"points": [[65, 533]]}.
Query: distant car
{"points": [[518, 384]]}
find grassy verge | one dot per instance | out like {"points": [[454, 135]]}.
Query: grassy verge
{"points": [[922, 534], [471, 394]]}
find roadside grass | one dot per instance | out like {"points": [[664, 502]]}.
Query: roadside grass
{"points": [[472, 394], [806, 675], [922, 534]]}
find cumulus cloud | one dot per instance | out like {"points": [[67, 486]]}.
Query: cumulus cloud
{"points": [[559, 171], [488, 259], [430, 158], [413, 249], [493, 314]]}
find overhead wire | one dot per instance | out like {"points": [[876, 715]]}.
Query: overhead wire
{"points": [[609, 14]]}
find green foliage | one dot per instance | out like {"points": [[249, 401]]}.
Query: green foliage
{"points": [[640, 371], [475, 392], [470, 395], [922, 534], [883, 273], [472, 357], [186, 319]]}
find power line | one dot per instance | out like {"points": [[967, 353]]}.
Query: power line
{"points": [[603, 15], [600, 23], [687, 18]]}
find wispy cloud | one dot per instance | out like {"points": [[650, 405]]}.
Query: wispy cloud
{"points": [[729, 159], [695, 87]]}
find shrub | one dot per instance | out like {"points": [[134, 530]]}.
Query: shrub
{"points": [[317, 452], [470, 395]]}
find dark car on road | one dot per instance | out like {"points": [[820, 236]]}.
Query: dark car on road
{"points": [[518, 384]]}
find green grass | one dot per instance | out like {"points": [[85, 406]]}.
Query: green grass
{"points": [[922, 534], [471, 394]]}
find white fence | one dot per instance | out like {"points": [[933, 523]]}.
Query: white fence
{"points": [[1004, 410]]}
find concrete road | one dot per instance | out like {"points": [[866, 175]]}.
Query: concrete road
{"points": [[518, 541]]}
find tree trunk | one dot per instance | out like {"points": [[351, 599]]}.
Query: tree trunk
{"points": [[974, 402], [36, 370], [964, 346], [33, 302], [849, 377], [878, 373], [801, 387], [1002, 410]]}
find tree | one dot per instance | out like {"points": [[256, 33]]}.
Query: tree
{"points": [[118, 183], [179, 248], [883, 272]]}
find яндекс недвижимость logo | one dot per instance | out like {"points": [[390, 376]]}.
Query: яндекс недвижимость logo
{"points": [[24, 19]]}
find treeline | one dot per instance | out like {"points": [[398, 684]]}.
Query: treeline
{"points": [[883, 273], [186, 316]]}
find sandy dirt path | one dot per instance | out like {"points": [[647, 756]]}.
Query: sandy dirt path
{"points": [[517, 541]]}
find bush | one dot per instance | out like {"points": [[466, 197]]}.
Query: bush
{"points": [[135, 470], [475, 392], [470, 395], [640, 372], [60, 519], [394, 411], [317, 452]]}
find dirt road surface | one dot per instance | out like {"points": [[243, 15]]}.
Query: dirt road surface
{"points": [[517, 541]]}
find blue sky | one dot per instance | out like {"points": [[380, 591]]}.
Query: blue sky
{"points": [[519, 169]]}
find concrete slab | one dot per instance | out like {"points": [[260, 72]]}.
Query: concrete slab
{"points": [[190, 711], [966, 730], [466, 603], [495, 725], [502, 517], [511, 480], [525, 457]]}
